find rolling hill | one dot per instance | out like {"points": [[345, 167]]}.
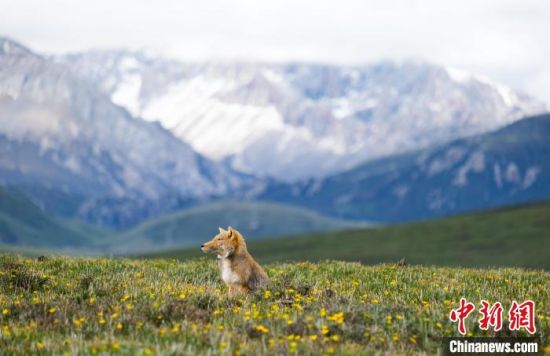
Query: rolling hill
{"points": [[518, 236], [195, 225], [26, 228], [24, 225]]}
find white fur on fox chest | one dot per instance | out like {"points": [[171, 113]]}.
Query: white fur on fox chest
{"points": [[228, 275]]}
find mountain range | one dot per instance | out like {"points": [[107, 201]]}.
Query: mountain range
{"points": [[115, 137], [295, 121], [59, 133], [505, 167]]}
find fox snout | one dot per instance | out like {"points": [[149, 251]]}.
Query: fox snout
{"points": [[207, 247]]}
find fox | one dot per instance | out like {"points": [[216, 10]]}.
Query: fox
{"points": [[239, 270]]}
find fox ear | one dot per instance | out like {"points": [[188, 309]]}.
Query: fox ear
{"points": [[222, 231], [231, 232]]}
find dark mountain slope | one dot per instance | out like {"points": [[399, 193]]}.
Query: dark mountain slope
{"points": [[509, 166]]}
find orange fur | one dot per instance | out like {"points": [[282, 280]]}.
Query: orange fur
{"points": [[240, 272]]}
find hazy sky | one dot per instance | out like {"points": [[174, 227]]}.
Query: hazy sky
{"points": [[506, 40]]}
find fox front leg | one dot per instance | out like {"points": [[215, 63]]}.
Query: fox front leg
{"points": [[237, 289]]}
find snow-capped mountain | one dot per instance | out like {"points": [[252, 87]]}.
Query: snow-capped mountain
{"points": [[59, 132], [293, 121]]}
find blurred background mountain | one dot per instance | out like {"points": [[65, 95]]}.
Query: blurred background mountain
{"points": [[118, 151]]}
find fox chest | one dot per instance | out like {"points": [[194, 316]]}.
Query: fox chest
{"points": [[229, 276]]}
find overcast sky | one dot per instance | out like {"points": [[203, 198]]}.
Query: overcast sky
{"points": [[503, 39]]}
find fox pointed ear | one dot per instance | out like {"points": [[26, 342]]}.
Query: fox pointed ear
{"points": [[230, 231], [222, 231]]}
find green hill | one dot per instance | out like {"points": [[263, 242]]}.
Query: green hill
{"points": [[28, 229], [24, 225], [517, 236], [191, 227]]}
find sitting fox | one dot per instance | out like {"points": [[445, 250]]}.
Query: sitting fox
{"points": [[240, 272]]}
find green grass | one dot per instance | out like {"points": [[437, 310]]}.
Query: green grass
{"points": [[24, 225], [191, 227], [142, 307], [517, 236]]}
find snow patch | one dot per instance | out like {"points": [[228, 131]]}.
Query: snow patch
{"points": [[498, 175], [452, 157], [507, 95], [530, 177], [128, 63], [127, 94], [342, 108], [512, 173], [475, 163], [458, 75], [273, 76]]}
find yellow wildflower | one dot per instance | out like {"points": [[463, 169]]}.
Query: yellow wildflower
{"points": [[78, 321], [293, 346], [338, 318], [262, 329]]}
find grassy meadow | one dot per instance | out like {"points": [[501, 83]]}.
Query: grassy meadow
{"points": [[54, 305], [508, 237]]}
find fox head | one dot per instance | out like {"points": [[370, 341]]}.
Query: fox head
{"points": [[225, 243]]}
